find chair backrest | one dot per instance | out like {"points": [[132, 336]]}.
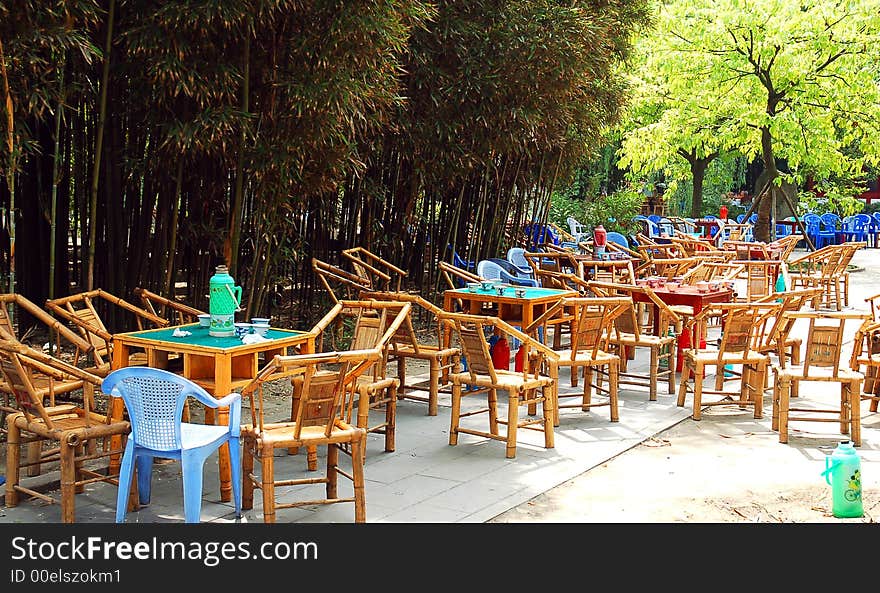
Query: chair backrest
{"points": [[619, 238], [515, 256], [457, 277], [18, 376], [323, 391], [472, 330], [577, 229], [497, 269], [378, 273], [593, 319], [174, 311], [628, 321], [742, 325], [340, 284], [81, 310], [830, 221], [154, 399]]}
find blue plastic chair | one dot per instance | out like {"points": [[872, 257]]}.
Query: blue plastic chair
{"points": [[853, 228], [813, 225], [619, 238], [831, 226], [541, 233], [500, 269], [460, 262], [155, 399], [516, 257]]}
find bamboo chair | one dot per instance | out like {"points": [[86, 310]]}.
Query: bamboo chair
{"points": [[174, 311], [340, 284], [737, 346], [524, 388], [866, 352], [79, 434], [376, 272], [629, 334], [47, 385], [374, 324], [405, 345], [456, 277], [821, 362], [82, 311], [319, 421], [826, 268], [589, 351]]}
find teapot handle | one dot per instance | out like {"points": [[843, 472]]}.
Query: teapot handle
{"points": [[236, 295]]}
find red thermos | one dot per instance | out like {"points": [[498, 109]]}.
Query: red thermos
{"points": [[599, 239], [501, 354], [722, 213]]}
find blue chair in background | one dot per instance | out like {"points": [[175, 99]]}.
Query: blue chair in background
{"points": [[867, 222], [538, 234], [500, 269], [619, 238], [831, 226], [815, 232], [516, 257], [649, 227], [155, 400], [460, 262], [853, 228]]}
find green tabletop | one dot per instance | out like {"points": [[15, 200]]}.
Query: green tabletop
{"points": [[531, 292], [200, 336]]}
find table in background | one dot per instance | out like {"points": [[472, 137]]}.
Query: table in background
{"points": [[218, 364], [686, 295]]}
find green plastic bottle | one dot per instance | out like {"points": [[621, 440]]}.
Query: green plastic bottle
{"points": [[843, 471]]}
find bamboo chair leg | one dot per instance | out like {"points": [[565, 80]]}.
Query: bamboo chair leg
{"points": [[433, 387], [855, 402], [34, 453], [68, 480], [357, 472], [653, 372], [492, 398], [247, 469], [13, 463], [267, 469], [455, 412], [613, 374], [513, 400], [547, 406], [588, 388], [784, 391], [332, 471], [699, 369]]}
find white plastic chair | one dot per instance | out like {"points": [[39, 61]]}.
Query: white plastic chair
{"points": [[578, 230], [154, 399]]}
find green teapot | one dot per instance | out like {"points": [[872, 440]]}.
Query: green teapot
{"points": [[224, 300]]}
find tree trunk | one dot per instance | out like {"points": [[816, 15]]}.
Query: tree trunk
{"points": [[235, 215], [99, 141], [761, 232], [10, 170]]}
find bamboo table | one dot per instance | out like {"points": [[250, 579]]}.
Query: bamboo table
{"points": [[511, 308], [219, 365]]}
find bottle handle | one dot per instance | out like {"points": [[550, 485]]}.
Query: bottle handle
{"points": [[829, 467]]}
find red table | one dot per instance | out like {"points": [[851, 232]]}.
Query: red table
{"points": [[686, 295]]}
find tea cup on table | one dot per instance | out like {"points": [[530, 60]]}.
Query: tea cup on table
{"points": [[205, 320], [261, 328], [519, 292], [487, 285], [242, 329], [501, 290], [473, 286]]}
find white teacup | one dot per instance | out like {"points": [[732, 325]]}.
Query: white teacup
{"points": [[261, 328], [205, 320]]}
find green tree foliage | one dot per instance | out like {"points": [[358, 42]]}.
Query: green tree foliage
{"points": [[775, 79]]}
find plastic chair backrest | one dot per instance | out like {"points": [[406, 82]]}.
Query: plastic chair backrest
{"points": [[154, 399], [492, 271], [618, 238], [830, 220], [515, 256]]}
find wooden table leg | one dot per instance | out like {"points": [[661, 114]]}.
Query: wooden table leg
{"points": [[222, 387]]}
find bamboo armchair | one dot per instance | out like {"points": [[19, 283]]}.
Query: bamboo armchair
{"points": [[405, 345], [589, 351], [79, 434], [373, 323], [319, 421], [826, 268], [629, 334], [524, 388], [866, 352], [738, 346], [821, 362], [339, 283], [47, 385], [82, 311], [376, 272], [174, 311], [456, 277]]}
